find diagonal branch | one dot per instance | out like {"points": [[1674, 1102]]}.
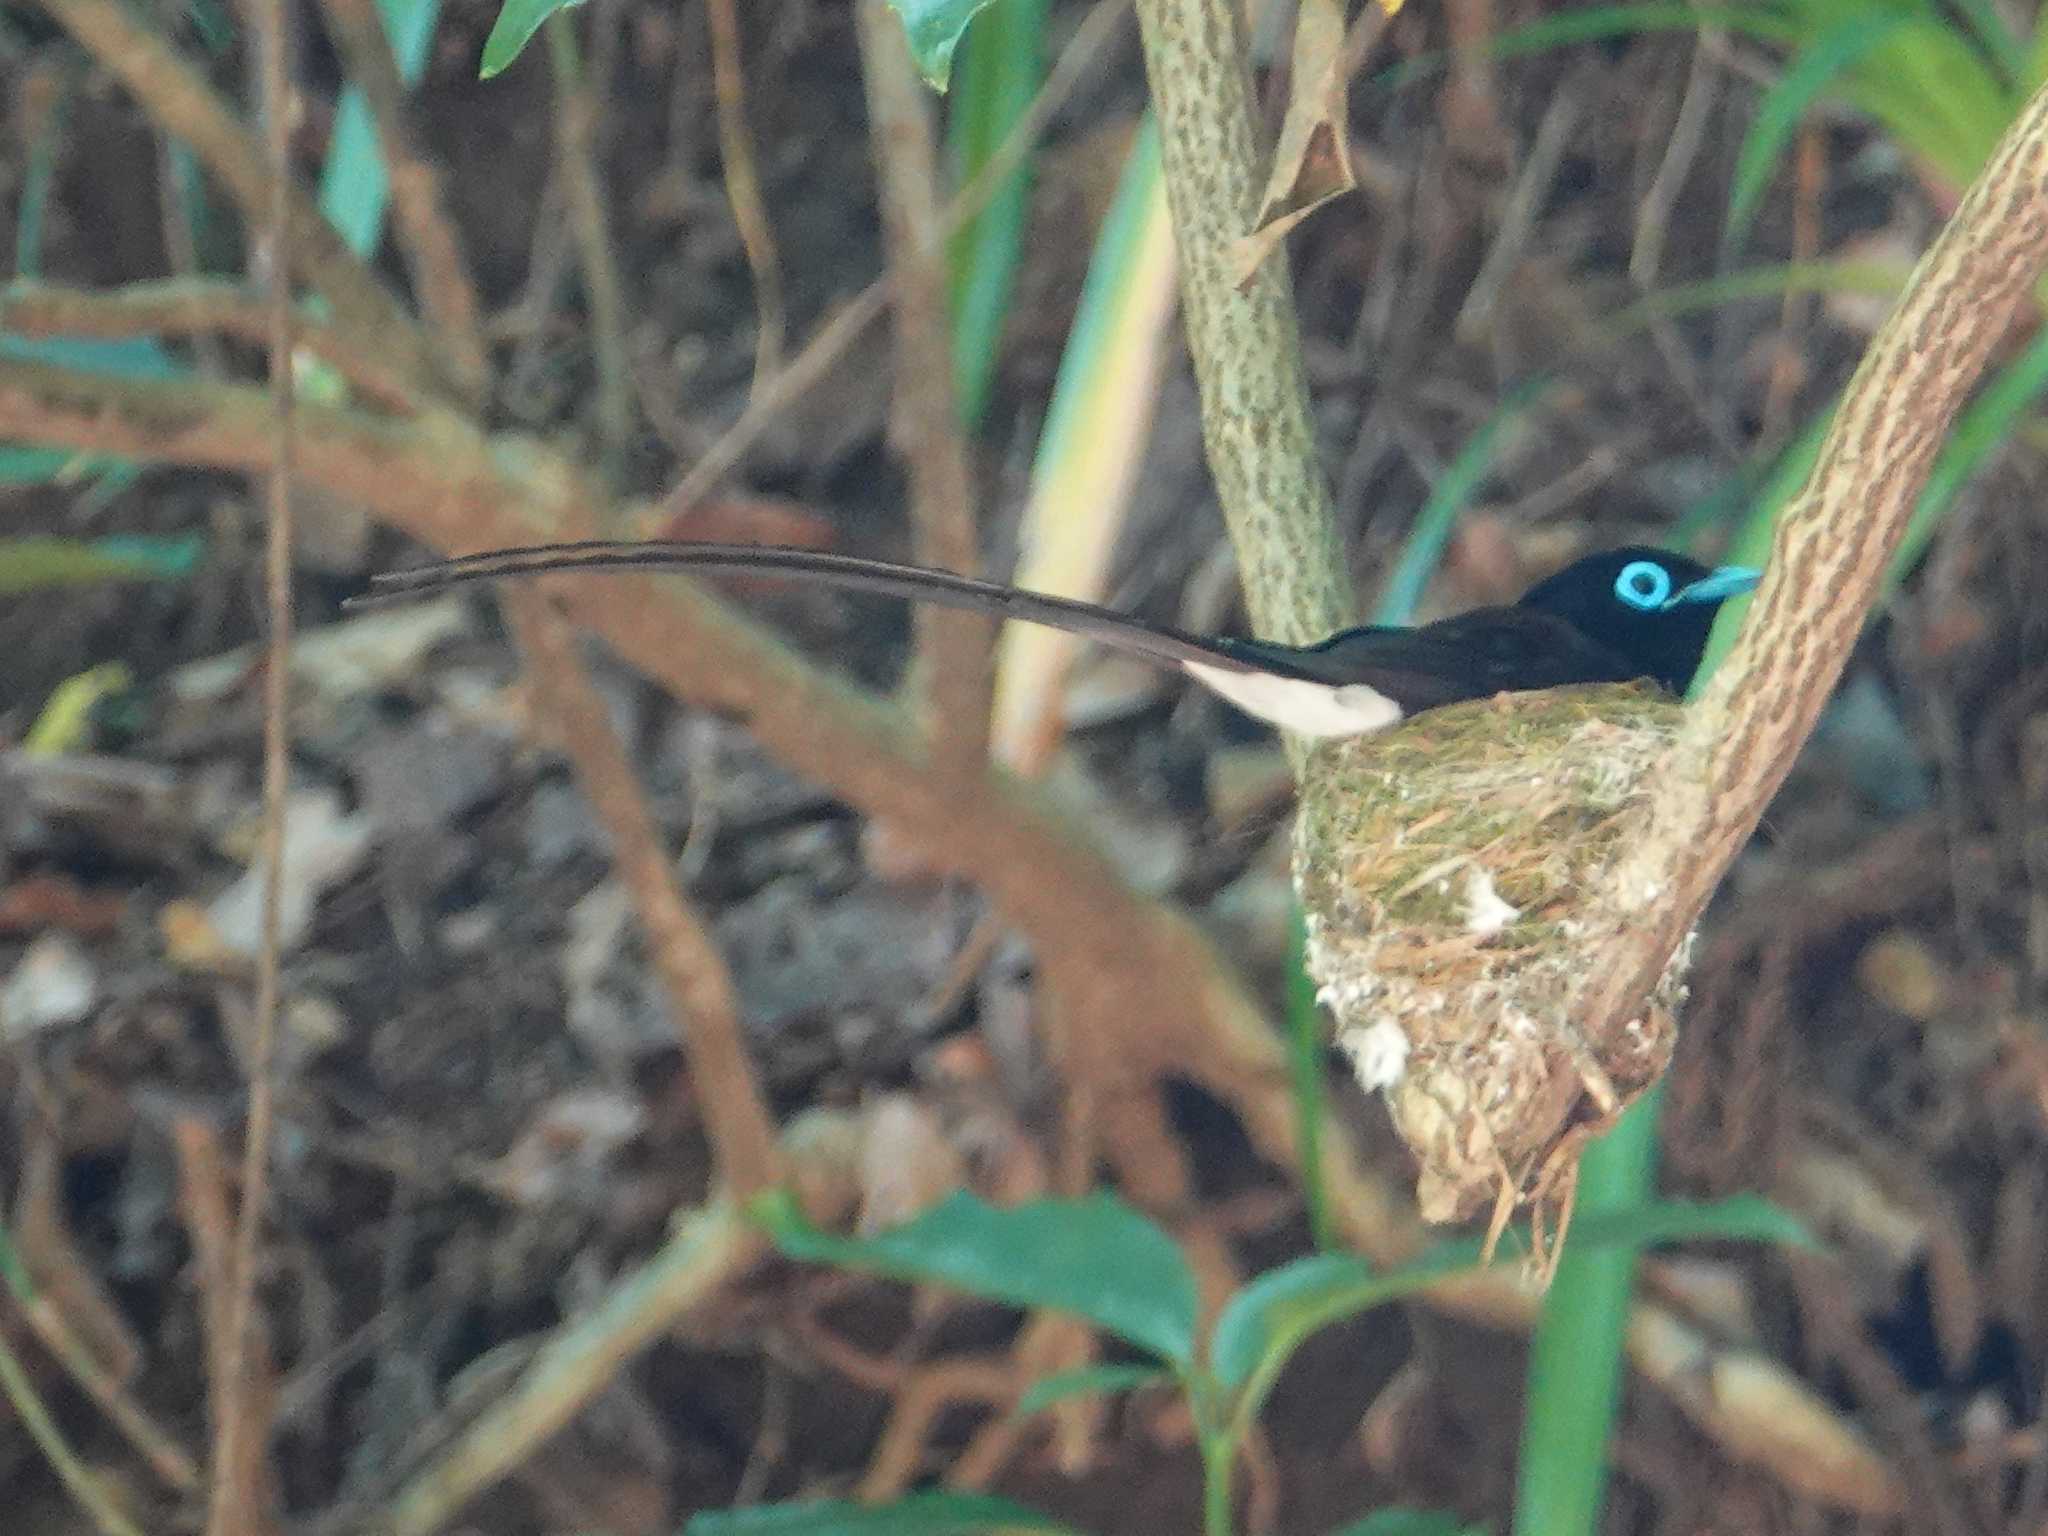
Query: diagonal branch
{"points": [[1832, 547]]}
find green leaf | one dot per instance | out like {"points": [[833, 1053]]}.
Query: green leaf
{"points": [[999, 78], [1818, 66], [1267, 1321], [1305, 1083], [37, 564], [1284, 1306], [514, 29], [1408, 1522], [355, 184], [1087, 1381], [933, 28], [923, 1514], [1452, 493], [1094, 1257], [1982, 429]]}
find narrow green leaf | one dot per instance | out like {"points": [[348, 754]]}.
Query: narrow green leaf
{"points": [[1978, 433], [1088, 1381], [1819, 65], [513, 30], [37, 564], [1598, 23], [1305, 1079], [1995, 37], [999, 78], [1452, 493], [921, 1514], [933, 28], [1574, 1373], [1409, 1522], [355, 183], [1094, 1257]]}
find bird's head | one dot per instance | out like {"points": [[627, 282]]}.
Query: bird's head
{"points": [[1649, 606]]}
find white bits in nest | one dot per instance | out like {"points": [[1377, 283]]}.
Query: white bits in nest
{"points": [[1379, 1053], [1485, 912]]}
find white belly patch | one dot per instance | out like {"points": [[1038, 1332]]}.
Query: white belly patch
{"points": [[1293, 704]]}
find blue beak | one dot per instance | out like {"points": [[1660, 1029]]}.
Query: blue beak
{"points": [[1728, 581]]}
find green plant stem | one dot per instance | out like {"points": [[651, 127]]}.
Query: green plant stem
{"points": [[1219, 1460]]}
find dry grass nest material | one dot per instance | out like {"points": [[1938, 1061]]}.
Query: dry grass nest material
{"points": [[1453, 871]]}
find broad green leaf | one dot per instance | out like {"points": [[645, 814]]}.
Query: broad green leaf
{"points": [[513, 30], [1094, 1257], [921, 1514], [1818, 66], [1088, 1381], [933, 28]]}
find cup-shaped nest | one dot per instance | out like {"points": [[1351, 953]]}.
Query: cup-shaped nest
{"points": [[1453, 871]]}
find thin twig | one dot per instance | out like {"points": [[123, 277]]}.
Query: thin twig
{"points": [[953, 648], [169, 1460], [76, 1477], [576, 150], [815, 361], [231, 1397], [440, 276], [185, 106], [244, 1430], [699, 986], [199, 307], [743, 187]]}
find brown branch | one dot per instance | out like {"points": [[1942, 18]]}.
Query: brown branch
{"points": [[1832, 547], [712, 1248], [953, 647], [440, 276], [185, 106], [199, 307], [576, 109], [699, 986], [233, 1396], [242, 1432], [743, 186]]}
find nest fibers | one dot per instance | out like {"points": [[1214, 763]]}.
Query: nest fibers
{"points": [[1453, 871]]}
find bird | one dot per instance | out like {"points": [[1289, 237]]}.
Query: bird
{"points": [[1611, 617]]}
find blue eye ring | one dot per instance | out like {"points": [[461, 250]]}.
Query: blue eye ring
{"points": [[1643, 585]]}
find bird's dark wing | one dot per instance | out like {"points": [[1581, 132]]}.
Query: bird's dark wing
{"points": [[1471, 656], [1158, 642]]}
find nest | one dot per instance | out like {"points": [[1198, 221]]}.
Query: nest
{"points": [[1453, 872]]}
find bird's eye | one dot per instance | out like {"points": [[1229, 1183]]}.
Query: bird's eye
{"points": [[1643, 584]]}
